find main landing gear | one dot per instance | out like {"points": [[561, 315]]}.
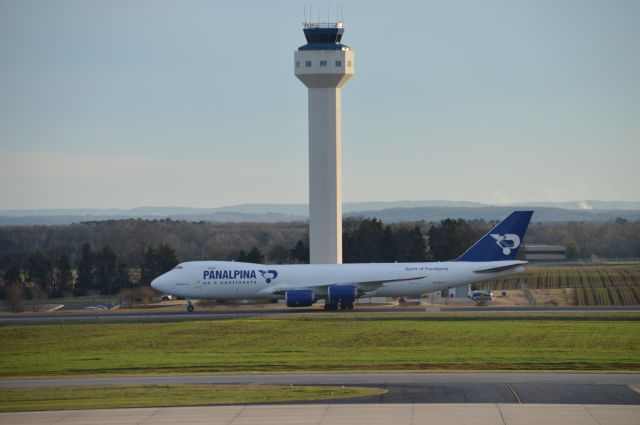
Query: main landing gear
{"points": [[190, 307], [340, 305]]}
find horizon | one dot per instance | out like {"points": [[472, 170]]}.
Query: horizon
{"points": [[582, 205], [120, 104]]}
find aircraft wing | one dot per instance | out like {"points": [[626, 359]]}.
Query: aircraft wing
{"points": [[364, 286]]}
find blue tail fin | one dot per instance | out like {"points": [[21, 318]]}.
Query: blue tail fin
{"points": [[502, 242]]}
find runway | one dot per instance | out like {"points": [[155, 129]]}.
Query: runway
{"points": [[155, 315], [454, 387], [331, 414]]}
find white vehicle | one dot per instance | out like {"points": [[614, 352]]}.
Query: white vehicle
{"points": [[340, 285], [486, 295]]}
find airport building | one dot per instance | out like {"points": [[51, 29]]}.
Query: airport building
{"points": [[324, 65], [454, 294], [545, 252], [457, 292]]}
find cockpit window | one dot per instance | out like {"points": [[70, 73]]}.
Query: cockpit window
{"points": [[177, 267]]}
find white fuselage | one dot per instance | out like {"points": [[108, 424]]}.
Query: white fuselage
{"points": [[225, 280]]}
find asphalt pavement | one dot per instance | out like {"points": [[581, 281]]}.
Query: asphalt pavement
{"points": [[454, 387], [159, 315]]}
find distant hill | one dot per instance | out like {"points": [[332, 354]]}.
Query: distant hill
{"points": [[301, 210], [392, 211], [541, 214], [586, 205]]}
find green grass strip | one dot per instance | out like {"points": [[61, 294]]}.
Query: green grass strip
{"points": [[167, 395], [321, 344]]}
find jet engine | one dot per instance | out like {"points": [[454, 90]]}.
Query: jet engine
{"points": [[341, 295], [299, 298]]}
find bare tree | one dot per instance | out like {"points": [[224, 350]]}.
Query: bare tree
{"points": [[16, 297]]}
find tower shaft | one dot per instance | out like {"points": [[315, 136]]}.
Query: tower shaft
{"points": [[324, 66], [325, 176]]}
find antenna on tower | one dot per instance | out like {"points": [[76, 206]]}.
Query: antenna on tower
{"points": [[305, 14]]}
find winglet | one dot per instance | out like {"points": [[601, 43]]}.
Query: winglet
{"points": [[502, 242]]}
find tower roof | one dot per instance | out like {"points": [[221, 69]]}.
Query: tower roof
{"points": [[323, 36]]}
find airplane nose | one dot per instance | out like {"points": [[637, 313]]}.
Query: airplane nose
{"points": [[157, 284]]}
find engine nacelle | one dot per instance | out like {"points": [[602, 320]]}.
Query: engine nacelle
{"points": [[341, 294], [299, 298]]}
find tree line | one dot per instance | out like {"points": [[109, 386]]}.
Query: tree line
{"points": [[224, 241], [98, 272], [101, 271], [103, 257]]}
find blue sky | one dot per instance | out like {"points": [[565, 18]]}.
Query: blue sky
{"points": [[125, 103]]}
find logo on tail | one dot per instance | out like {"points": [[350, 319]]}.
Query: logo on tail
{"points": [[508, 235], [507, 242]]}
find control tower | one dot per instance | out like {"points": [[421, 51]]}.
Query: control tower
{"points": [[324, 65]]}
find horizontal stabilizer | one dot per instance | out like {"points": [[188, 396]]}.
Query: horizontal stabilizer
{"points": [[501, 268]]}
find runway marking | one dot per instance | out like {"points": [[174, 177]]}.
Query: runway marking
{"points": [[515, 394], [411, 417], [593, 417], [63, 419], [324, 414], [150, 416], [237, 414], [501, 415]]}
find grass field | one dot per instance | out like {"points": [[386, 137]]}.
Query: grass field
{"points": [[166, 395], [615, 284], [333, 342]]}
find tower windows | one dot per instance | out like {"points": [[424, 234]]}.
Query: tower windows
{"points": [[323, 63], [338, 63], [349, 64], [307, 64]]}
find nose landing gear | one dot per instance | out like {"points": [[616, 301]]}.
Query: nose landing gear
{"points": [[190, 307]]}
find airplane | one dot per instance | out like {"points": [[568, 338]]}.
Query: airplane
{"points": [[301, 285]]}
